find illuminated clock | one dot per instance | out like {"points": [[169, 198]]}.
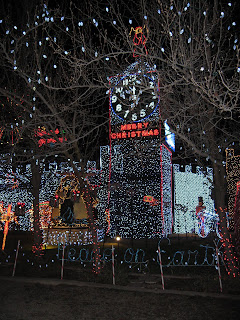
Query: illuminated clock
{"points": [[134, 98]]}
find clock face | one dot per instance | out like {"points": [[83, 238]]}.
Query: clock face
{"points": [[135, 97]]}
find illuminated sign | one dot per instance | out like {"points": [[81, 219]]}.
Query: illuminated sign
{"points": [[135, 130]]}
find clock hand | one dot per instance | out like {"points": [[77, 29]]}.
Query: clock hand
{"points": [[133, 105]]}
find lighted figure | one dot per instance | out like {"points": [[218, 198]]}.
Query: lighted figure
{"points": [[151, 200], [107, 213], [49, 137], [8, 218], [45, 213], [11, 180], [11, 135], [139, 39], [1, 132], [200, 206], [69, 206], [206, 221]]}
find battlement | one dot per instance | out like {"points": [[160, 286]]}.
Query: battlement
{"points": [[229, 153], [189, 169]]}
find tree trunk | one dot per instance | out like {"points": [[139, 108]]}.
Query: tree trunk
{"points": [[36, 183], [96, 249], [88, 196]]}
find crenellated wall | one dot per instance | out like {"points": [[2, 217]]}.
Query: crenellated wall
{"points": [[188, 186]]}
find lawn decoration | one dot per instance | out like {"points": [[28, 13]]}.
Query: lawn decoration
{"points": [[15, 261], [113, 266], [207, 222], [50, 137], [237, 218], [151, 200], [69, 206], [139, 39], [7, 218]]}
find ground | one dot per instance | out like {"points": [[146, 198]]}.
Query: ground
{"points": [[36, 291], [31, 300]]}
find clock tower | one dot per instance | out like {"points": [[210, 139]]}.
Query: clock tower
{"points": [[134, 97], [140, 168]]}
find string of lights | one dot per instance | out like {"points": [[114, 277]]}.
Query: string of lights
{"points": [[204, 256], [188, 186], [237, 219], [233, 176]]}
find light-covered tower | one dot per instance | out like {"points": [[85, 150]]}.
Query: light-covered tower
{"points": [[138, 177]]}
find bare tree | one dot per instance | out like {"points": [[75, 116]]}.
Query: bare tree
{"points": [[45, 67], [60, 62], [203, 103]]}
